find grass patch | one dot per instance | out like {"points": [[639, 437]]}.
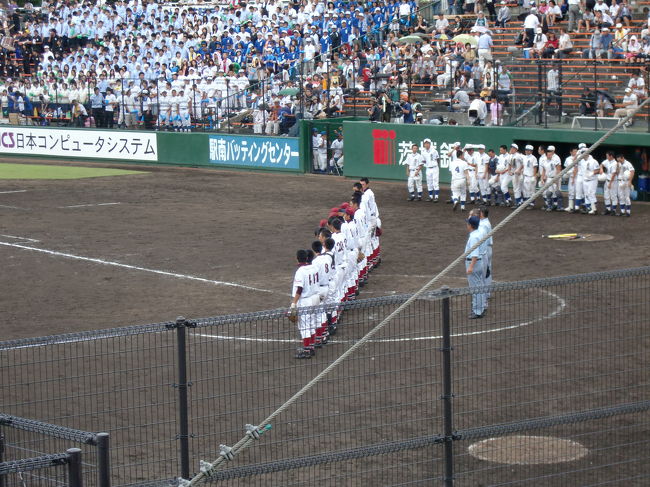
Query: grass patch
{"points": [[43, 171]]}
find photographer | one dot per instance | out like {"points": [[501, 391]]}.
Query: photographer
{"points": [[374, 112]]}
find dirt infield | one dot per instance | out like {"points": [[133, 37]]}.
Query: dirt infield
{"points": [[243, 228], [108, 252]]}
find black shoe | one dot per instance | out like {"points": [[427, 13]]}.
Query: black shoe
{"points": [[449, 202], [331, 329], [436, 200], [606, 212], [410, 198], [305, 353], [474, 316], [419, 198]]}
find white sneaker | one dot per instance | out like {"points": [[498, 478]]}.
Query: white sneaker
{"points": [[592, 212], [568, 209]]}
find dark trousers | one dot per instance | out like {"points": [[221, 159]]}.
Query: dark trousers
{"points": [[98, 115], [109, 118]]}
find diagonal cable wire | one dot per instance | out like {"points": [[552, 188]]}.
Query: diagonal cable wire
{"points": [[229, 453]]}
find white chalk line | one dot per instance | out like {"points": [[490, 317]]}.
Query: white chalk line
{"points": [[20, 238], [15, 191], [135, 268], [558, 310], [90, 204], [13, 207]]}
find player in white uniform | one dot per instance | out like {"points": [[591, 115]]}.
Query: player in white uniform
{"points": [[305, 294], [609, 167], [590, 183], [550, 165], [459, 177], [625, 176], [432, 169], [580, 180], [571, 183], [182, 112], [324, 262], [414, 163], [472, 162], [529, 175], [483, 173], [516, 168], [375, 222], [336, 161], [363, 224], [164, 111], [340, 257], [349, 229], [503, 170]]}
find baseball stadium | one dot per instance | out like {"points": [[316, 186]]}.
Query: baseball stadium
{"points": [[324, 243]]}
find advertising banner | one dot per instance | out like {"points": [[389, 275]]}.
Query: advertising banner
{"points": [[86, 144], [256, 152]]}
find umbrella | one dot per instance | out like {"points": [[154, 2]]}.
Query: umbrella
{"points": [[465, 38], [442, 37], [288, 91], [410, 40]]}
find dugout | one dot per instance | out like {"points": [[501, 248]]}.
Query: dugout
{"points": [[377, 150]]}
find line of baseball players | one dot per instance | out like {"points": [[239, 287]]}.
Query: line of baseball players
{"points": [[510, 177], [345, 251]]}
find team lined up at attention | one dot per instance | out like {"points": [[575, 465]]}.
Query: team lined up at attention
{"points": [[340, 260], [510, 177]]}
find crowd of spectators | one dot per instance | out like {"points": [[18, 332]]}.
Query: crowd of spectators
{"points": [[161, 61], [154, 64]]}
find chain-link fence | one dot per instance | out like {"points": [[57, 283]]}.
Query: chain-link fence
{"points": [[550, 387], [53, 470]]}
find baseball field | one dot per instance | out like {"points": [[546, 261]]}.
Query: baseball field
{"points": [[104, 250], [243, 229]]}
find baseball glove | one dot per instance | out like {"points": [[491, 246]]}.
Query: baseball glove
{"points": [[293, 314]]}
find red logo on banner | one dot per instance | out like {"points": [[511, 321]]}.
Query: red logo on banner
{"points": [[383, 146]]}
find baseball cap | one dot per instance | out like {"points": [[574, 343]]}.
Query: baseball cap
{"points": [[515, 146], [550, 148], [426, 140], [323, 223], [528, 147], [334, 210], [582, 145], [474, 221], [349, 211], [628, 90], [469, 146], [345, 204], [480, 146]]}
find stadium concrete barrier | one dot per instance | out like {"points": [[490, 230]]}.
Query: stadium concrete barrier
{"points": [[377, 150], [208, 150]]}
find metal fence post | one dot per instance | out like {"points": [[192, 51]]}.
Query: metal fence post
{"points": [[560, 86], [540, 94], [183, 417], [596, 94], [103, 460], [2, 456], [75, 473], [447, 392]]}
